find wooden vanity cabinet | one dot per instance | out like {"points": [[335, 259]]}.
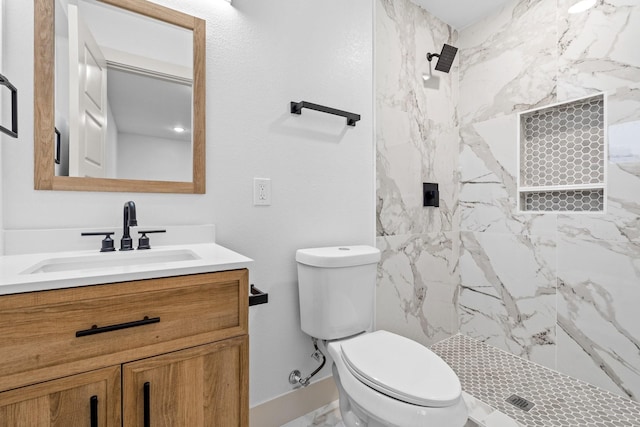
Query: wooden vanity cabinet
{"points": [[184, 337], [194, 387], [90, 399]]}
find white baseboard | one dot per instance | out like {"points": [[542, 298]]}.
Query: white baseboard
{"points": [[295, 404]]}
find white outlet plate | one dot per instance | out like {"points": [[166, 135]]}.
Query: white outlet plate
{"points": [[262, 191]]}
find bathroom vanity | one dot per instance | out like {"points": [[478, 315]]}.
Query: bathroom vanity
{"points": [[169, 348]]}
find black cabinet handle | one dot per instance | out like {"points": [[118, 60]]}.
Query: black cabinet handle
{"points": [[14, 108], [99, 330], [147, 404], [94, 411]]}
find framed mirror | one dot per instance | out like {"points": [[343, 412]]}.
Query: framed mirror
{"points": [[119, 97]]}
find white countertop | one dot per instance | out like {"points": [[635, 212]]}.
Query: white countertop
{"points": [[16, 274]]}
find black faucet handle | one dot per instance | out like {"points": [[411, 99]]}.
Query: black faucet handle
{"points": [[143, 241], [107, 242]]}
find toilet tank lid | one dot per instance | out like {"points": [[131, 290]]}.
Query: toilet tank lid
{"points": [[338, 256]]}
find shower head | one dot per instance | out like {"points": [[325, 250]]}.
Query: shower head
{"points": [[445, 58]]}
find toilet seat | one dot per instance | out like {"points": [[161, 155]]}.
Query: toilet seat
{"points": [[401, 368]]}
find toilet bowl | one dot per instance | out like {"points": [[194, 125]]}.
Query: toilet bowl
{"points": [[383, 379]]}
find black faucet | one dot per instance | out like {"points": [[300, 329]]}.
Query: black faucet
{"points": [[126, 243]]}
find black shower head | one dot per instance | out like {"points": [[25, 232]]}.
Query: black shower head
{"points": [[445, 58]]}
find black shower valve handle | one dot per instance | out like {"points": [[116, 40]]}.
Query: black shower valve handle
{"points": [[107, 242], [143, 241]]}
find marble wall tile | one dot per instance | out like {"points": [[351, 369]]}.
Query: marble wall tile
{"points": [[508, 61], [593, 329], [508, 292], [598, 290], [488, 183], [598, 48], [416, 129], [418, 286], [624, 104], [512, 268], [621, 222], [417, 141]]}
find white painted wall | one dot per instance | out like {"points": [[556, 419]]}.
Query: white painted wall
{"points": [[322, 171], [172, 159], [260, 56]]}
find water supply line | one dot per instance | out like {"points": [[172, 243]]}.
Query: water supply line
{"points": [[295, 377]]}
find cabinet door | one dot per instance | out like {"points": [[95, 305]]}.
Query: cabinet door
{"points": [[203, 386], [91, 399]]}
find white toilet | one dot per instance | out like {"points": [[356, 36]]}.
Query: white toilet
{"points": [[383, 379]]}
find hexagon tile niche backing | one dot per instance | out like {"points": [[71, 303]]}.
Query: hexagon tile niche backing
{"points": [[562, 157]]}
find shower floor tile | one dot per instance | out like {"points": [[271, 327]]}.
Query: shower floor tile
{"points": [[491, 376]]}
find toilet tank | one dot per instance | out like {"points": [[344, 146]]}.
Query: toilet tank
{"points": [[336, 287]]}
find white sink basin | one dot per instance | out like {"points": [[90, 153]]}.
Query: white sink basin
{"points": [[111, 259]]}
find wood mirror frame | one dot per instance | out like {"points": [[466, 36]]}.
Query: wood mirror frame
{"points": [[44, 50]]}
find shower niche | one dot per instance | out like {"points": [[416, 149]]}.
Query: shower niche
{"points": [[562, 157]]}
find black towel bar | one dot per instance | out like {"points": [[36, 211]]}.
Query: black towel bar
{"points": [[296, 108], [14, 108], [256, 296]]}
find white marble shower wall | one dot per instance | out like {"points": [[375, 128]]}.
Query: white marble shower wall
{"points": [[560, 290], [417, 141]]}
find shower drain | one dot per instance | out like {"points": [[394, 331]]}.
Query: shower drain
{"points": [[520, 402]]}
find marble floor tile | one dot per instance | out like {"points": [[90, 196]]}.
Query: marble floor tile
{"points": [[326, 416]]}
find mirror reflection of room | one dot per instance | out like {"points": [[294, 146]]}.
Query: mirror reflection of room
{"points": [[123, 94]]}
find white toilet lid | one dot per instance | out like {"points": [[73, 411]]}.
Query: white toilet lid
{"points": [[401, 368]]}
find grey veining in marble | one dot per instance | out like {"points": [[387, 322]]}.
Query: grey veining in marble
{"points": [[417, 141], [605, 57], [508, 61], [418, 286], [555, 289], [508, 292]]}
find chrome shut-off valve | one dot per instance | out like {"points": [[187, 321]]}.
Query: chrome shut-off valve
{"points": [[295, 377]]}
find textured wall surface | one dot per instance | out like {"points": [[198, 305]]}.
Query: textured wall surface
{"points": [[260, 57]]}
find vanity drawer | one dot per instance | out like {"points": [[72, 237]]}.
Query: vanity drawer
{"points": [[51, 334]]}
